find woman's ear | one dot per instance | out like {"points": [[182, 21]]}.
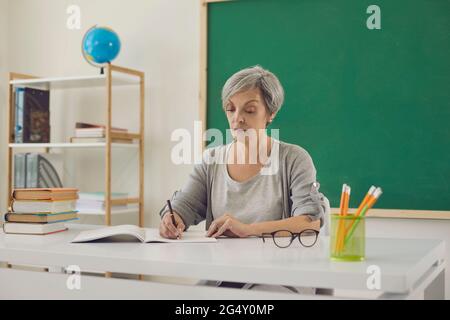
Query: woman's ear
{"points": [[270, 119]]}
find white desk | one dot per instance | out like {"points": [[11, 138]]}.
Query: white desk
{"points": [[409, 268]]}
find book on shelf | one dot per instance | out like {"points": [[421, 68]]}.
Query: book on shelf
{"points": [[98, 207], [98, 140], [45, 194], [86, 130], [91, 133], [32, 115], [33, 170], [41, 217], [100, 196], [34, 228], [18, 130], [127, 233], [85, 125], [102, 211], [95, 201]]}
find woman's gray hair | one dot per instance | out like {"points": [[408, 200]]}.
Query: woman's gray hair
{"points": [[255, 77]]}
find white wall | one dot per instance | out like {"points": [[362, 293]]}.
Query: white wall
{"points": [[3, 98], [159, 37]]}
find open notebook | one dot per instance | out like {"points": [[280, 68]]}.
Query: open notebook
{"points": [[126, 233]]}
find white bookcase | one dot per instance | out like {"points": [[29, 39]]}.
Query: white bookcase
{"points": [[114, 76]]}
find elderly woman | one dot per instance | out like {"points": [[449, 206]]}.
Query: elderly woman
{"points": [[243, 198], [234, 197]]}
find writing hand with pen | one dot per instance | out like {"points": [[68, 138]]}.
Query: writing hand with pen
{"points": [[171, 226]]}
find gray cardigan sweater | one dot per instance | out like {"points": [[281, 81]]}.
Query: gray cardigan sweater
{"points": [[301, 194]]}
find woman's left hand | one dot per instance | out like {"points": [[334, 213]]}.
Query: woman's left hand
{"points": [[229, 226]]}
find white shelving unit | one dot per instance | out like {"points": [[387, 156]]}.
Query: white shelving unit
{"points": [[74, 82], [122, 76]]}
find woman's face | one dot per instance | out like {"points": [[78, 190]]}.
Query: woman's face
{"points": [[246, 110]]}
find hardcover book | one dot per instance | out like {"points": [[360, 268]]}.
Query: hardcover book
{"points": [[36, 116]]}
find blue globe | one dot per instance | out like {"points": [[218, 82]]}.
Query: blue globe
{"points": [[100, 45]]}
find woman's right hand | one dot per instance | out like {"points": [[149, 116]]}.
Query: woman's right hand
{"points": [[168, 230]]}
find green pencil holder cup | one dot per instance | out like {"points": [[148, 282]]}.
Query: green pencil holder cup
{"points": [[347, 238]]}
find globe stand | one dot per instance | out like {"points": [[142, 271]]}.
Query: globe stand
{"points": [[102, 69], [100, 44]]}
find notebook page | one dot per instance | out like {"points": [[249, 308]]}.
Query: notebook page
{"points": [[152, 235], [90, 235]]}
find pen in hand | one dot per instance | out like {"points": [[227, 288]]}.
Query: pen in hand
{"points": [[173, 216]]}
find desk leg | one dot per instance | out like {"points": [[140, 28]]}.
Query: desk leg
{"points": [[10, 266], [430, 286], [109, 275], [436, 289]]}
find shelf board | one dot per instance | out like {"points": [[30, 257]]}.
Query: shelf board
{"points": [[71, 145], [75, 82], [125, 135], [113, 212], [123, 201]]}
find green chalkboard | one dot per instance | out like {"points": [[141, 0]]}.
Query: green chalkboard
{"points": [[371, 106]]}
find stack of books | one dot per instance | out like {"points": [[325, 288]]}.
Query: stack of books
{"points": [[88, 132], [94, 202], [41, 211]]}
